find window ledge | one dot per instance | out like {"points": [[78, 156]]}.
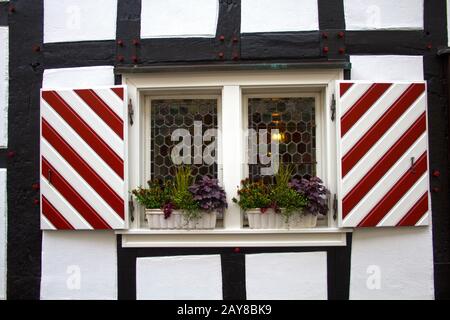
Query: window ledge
{"points": [[136, 238]]}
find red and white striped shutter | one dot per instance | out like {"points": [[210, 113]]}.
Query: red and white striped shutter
{"points": [[382, 154], [83, 155]]}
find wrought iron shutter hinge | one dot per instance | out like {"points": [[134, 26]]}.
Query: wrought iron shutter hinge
{"points": [[333, 107], [131, 208], [335, 207], [130, 112]]}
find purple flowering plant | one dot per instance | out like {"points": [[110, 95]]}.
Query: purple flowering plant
{"points": [[315, 192], [182, 194], [209, 195]]}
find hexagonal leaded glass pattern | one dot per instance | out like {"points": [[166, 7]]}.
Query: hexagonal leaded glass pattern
{"points": [[168, 115], [295, 120]]}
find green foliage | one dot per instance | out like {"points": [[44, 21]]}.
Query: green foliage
{"points": [[288, 200], [182, 198], [253, 195], [155, 196], [183, 179], [181, 194], [283, 176], [281, 196], [285, 198]]}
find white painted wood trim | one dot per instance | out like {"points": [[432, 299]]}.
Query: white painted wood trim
{"points": [[219, 238], [231, 84]]}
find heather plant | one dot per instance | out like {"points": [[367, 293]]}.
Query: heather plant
{"points": [[182, 194], [253, 195], [315, 192], [209, 195], [155, 196], [281, 196], [287, 200]]}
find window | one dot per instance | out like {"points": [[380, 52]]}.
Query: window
{"points": [[190, 116], [185, 125], [296, 103], [294, 118]]}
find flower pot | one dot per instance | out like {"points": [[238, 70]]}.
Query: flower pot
{"points": [[272, 220], [302, 220], [156, 220]]}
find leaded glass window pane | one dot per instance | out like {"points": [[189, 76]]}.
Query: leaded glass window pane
{"points": [[295, 120], [168, 115]]}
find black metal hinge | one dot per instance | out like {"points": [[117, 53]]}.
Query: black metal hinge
{"points": [[335, 207], [131, 208], [130, 112], [333, 107]]}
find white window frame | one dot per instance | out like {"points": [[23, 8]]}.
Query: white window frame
{"points": [[146, 139], [321, 143], [232, 86]]}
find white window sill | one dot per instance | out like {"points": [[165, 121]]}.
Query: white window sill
{"points": [[314, 237]]}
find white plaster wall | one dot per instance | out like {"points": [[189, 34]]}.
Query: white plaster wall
{"points": [[179, 278], [79, 264], [4, 87], [3, 229], [380, 68], [78, 77], [286, 276], [391, 263], [79, 20], [179, 18], [281, 15], [383, 14]]}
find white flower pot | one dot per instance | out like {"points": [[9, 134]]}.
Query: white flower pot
{"points": [[156, 220], [272, 220]]}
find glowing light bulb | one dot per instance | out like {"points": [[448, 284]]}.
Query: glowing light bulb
{"points": [[278, 136]]}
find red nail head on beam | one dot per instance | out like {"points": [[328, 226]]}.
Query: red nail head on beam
{"points": [[10, 154], [221, 55], [11, 9], [135, 59], [136, 42], [235, 39], [120, 58], [436, 189], [120, 42], [235, 56], [222, 38], [429, 46], [341, 50], [36, 201], [436, 173], [36, 48], [341, 34], [325, 35], [325, 49], [35, 186], [237, 250]]}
